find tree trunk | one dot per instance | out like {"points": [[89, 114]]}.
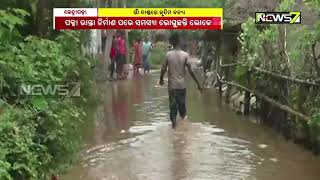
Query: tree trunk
{"points": [[40, 26], [316, 59], [108, 43], [126, 37]]}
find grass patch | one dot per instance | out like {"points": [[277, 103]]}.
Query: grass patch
{"points": [[157, 55]]}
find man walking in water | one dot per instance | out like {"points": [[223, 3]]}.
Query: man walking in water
{"points": [[176, 62]]}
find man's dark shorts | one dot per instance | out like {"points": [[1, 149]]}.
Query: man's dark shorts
{"points": [[177, 98]]}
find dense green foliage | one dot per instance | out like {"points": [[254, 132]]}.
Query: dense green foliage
{"points": [[39, 135], [187, 36], [160, 40], [137, 34], [158, 54], [287, 50]]}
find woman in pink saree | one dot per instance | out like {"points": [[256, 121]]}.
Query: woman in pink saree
{"points": [[137, 59]]}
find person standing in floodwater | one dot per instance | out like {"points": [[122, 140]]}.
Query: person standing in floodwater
{"points": [[176, 63], [146, 53], [137, 58], [113, 55], [121, 54]]}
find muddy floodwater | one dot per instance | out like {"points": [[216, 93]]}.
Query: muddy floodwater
{"points": [[132, 139]]}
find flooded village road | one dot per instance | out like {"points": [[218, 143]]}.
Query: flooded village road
{"points": [[132, 139]]}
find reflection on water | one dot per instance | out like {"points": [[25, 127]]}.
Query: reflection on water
{"points": [[137, 90], [133, 140], [120, 107]]}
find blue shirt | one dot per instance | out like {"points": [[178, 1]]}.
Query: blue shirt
{"points": [[146, 48]]}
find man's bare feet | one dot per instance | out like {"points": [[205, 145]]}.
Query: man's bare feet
{"points": [[174, 124]]}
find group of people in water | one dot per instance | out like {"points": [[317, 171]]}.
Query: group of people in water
{"points": [[175, 63], [117, 56], [140, 51]]}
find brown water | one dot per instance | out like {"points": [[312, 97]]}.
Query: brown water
{"points": [[133, 140]]}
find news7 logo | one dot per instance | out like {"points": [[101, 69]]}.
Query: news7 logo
{"points": [[68, 90], [278, 17]]}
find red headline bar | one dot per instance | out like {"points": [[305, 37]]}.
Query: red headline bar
{"points": [[207, 23]]}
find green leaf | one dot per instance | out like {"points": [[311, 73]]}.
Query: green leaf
{"points": [[39, 103], [21, 12], [2, 103]]}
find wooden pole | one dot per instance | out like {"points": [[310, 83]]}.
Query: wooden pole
{"points": [[275, 75], [272, 101], [219, 58], [230, 64], [301, 81], [228, 86], [246, 110], [315, 58]]}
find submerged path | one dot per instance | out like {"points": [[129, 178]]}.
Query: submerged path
{"points": [[132, 139]]}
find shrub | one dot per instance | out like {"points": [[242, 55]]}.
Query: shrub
{"points": [[158, 54], [39, 135]]}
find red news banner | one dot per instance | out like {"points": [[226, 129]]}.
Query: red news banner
{"points": [[138, 18]]}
